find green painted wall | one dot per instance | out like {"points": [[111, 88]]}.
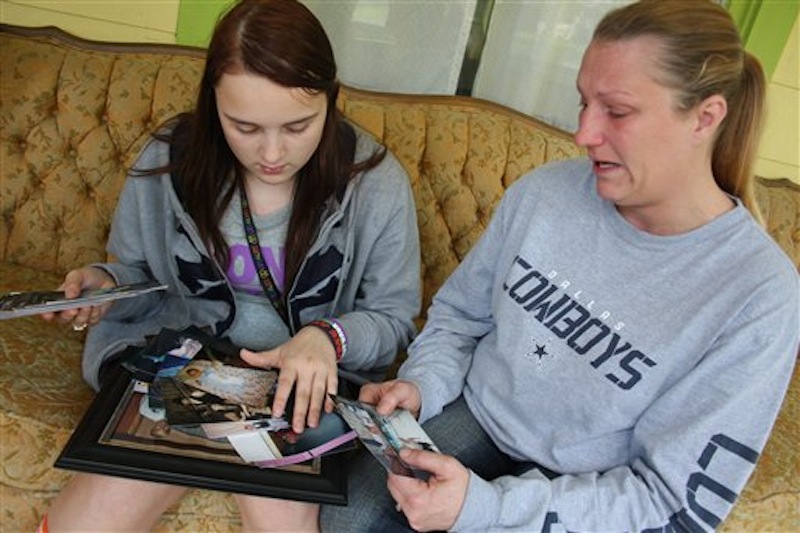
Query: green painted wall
{"points": [[196, 19], [765, 26]]}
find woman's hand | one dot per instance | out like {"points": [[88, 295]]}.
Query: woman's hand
{"points": [[307, 363], [432, 505], [75, 282], [391, 395]]}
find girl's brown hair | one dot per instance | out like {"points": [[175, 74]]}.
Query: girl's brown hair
{"points": [[702, 55], [284, 42]]}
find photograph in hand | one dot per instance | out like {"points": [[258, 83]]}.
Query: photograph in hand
{"points": [[385, 436], [25, 303]]}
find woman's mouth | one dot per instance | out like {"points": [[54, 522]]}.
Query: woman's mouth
{"points": [[601, 167]]}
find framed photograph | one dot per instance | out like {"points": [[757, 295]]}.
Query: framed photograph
{"points": [[113, 438]]}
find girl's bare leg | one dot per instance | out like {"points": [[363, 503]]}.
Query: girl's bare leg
{"points": [[268, 514], [91, 502]]}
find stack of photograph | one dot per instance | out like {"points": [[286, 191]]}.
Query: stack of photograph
{"points": [[190, 387]]}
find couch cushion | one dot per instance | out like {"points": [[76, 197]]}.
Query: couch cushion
{"points": [[40, 378], [42, 397]]}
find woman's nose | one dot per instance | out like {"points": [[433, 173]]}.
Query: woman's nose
{"points": [[588, 133]]}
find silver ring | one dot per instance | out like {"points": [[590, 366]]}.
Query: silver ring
{"points": [[76, 327]]}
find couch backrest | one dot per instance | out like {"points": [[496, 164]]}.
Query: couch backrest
{"points": [[460, 154], [74, 115]]}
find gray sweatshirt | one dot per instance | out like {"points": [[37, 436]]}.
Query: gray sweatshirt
{"points": [[363, 267], [647, 370]]}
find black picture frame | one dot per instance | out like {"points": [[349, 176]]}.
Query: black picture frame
{"points": [[88, 451]]}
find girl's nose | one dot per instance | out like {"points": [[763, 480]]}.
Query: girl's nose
{"points": [[271, 149]]}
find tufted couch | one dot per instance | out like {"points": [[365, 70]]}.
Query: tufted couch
{"points": [[73, 116]]}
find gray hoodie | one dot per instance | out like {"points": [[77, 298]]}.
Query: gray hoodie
{"points": [[363, 267]]}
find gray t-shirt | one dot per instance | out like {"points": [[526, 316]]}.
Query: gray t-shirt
{"points": [[257, 325]]}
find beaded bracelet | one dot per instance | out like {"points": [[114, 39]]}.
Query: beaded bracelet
{"points": [[335, 334]]}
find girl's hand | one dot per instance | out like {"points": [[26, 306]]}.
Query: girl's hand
{"points": [[307, 363], [75, 282]]}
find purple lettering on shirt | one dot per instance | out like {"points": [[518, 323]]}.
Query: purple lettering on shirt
{"points": [[242, 271]]}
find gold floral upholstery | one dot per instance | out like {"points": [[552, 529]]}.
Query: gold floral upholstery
{"points": [[73, 116], [72, 121], [460, 155], [780, 206]]}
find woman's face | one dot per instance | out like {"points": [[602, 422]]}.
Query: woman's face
{"points": [[272, 130], [643, 149]]}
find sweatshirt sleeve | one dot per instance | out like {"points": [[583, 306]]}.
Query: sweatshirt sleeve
{"points": [[126, 240], [692, 450], [381, 322]]}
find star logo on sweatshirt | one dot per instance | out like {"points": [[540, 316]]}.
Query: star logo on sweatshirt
{"points": [[538, 350]]}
